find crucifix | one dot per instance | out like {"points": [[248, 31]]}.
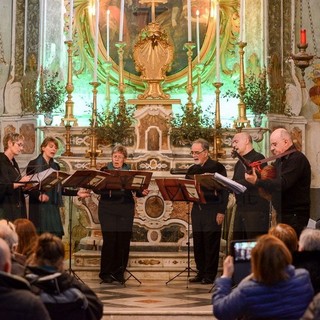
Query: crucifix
{"points": [[153, 4]]}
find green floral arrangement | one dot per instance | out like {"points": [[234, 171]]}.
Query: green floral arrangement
{"points": [[114, 126], [50, 94], [257, 96], [192, 124]]}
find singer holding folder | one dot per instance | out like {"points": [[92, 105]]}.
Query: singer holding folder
{"points": [[207, 218], [44, 206], [12, 200], [116, 213]]}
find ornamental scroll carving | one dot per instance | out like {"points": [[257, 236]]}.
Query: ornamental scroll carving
{"points": [[153, 56]]}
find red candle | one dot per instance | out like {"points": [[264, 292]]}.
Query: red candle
{"points": [[303, 37]]}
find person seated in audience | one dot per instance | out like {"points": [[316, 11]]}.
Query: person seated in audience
{"points": [[313, 310], [308, 255], [27, 237], [16, 300], [60, 292], [274, 290], [9, 235], [287, 234]]}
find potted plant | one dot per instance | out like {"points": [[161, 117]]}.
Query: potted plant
{"points": [[115, 126], [189, 126], [50, 94]]}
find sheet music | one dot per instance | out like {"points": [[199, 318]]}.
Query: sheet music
{"points": [[233, 185]]}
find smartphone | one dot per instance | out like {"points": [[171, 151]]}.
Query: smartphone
{"points": [[241, 252]]}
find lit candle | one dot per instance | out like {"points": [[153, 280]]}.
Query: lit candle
{"points": [[189, 21], [242, 22], [121, 21], [303, 37], [198, 35], [108, 35], [70, 19], [217, 42], [96, 40]]}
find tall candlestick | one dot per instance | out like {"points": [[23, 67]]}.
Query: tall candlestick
{"points": [[242, 21], [218, 42], [121, 21], [303, 36], [70, 19], [198, 34], [96, 40], [189, 21], [108, 35]]}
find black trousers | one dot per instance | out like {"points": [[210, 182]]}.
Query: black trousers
{"points": [[116, 225], [206, 240]]}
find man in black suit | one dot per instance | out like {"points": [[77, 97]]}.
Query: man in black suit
{"points": [[207, 218]]}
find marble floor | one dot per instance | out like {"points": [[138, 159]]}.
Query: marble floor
{"points": [[178, 299]]}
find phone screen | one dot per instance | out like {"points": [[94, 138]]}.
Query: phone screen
{"points": [[241, 250]]}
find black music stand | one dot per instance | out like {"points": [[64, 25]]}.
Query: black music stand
{"points": [[181, 190], [111, 180]]}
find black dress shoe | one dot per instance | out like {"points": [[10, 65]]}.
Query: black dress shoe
{"points": [[107, 279], [197, 278], [118, 278], [207, 281]]}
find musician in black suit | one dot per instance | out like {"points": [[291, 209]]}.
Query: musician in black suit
{"points": [[252, 213], [290, 190], [207, 218]]}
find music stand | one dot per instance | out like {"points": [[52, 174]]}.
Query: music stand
{"points": [[111, 180], [181, 190]]}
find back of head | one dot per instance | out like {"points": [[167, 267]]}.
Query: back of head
{"points": [[287, 234], [8, 234], [269, 260], [49, 251], [5, 257], [309, 240], [27, 235]]}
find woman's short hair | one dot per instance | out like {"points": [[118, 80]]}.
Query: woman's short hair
{"points": [[46, 141], [286, 234], [269, 260], [121, 149], [11, 136]]}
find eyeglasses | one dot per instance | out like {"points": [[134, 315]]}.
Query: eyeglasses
{"points": [[20, 144], [197, 152]]}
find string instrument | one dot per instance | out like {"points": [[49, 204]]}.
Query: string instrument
{"points": [[267, 172]]}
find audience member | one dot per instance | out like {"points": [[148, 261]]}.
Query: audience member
{"points": [[116, 214], [9, 235], [61, 293], [12, 200], [206, 218], [308, 255], [313, 310], [252, 211], [290, 190], [27, 235], [274, 290], [286, 234], [16, 300]]}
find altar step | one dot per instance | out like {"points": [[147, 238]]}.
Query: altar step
{"points": [[143, 265]]}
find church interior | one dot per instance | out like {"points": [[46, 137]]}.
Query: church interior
{"points": [[154, 75]]}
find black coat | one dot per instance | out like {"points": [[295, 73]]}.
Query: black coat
{"points": [[12, 201], [17, 302], [76, 300]]}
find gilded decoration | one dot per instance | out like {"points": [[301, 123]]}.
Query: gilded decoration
{"points": [[134, 22], [153, 56]]}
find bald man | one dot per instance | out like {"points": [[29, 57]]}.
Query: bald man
{"points": [[16, 300], [290, 190], [252, 213]]}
